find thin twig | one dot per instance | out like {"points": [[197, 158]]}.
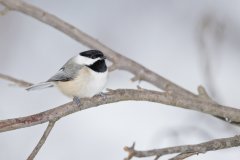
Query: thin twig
{"points": [[20, 83], [42, 140], [188, 150]]}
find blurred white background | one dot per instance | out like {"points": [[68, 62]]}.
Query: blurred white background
{"points": [[189, 42]]}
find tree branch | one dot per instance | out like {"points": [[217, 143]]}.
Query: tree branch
{"points": [[186, 150], [174, 95], [123, 95], [18, 82], [42, 140], [120, 62]]}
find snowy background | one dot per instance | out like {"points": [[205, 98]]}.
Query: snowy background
{"points": [[189, 42]]}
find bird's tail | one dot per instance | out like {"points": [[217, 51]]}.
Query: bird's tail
{"points": [[41, 85]]}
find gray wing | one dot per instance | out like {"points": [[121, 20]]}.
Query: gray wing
{"points": [[67, 72], [61, 75]]}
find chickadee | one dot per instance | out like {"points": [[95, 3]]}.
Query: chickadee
{"points": [[84, 75]]}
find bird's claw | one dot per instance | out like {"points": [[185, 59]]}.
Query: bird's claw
{"points": [[76, 101]]}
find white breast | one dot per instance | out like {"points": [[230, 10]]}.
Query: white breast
{"points": [[88, 84]]}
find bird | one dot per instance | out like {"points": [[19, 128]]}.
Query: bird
{"points": [[84, 75]]}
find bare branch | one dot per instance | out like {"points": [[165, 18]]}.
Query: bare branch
{"points": [[186, 150], [122, 95], [42, 140], [18, 82], [175, 95], [120, 61], [130, 151]]}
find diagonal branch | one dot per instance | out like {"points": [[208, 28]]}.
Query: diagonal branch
{"points": [[120, 61], [42, 140], [186, 150], [18, 82]]}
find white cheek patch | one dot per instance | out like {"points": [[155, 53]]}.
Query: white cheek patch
{"points": [[85, 60]]}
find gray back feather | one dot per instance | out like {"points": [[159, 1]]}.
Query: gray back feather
{"points": [[68, 72]]}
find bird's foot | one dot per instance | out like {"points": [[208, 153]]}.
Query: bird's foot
{"points": [[76, 100]]}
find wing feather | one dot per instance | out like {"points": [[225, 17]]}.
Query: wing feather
{"points": [[61, 76], [68, 72]]}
